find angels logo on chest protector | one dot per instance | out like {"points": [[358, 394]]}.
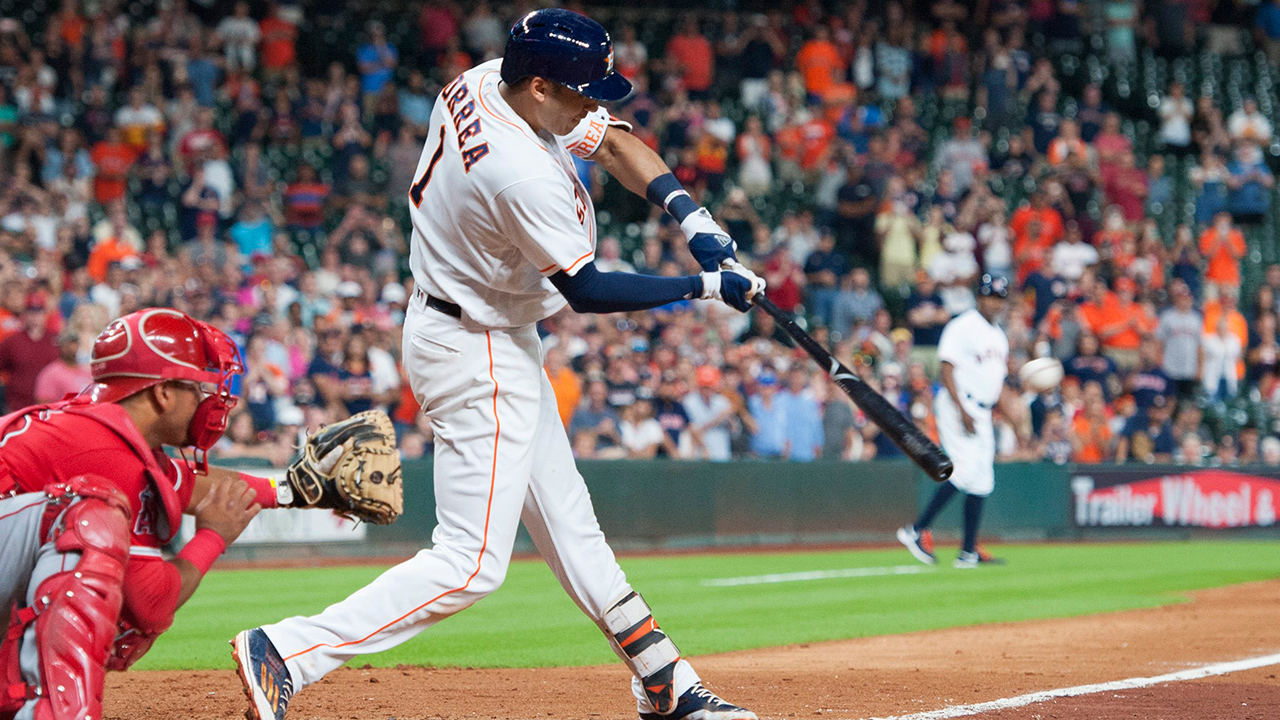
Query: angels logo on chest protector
{"points": [[145, 523]]}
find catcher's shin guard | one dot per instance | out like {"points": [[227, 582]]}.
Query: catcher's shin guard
{"points": [[645, 648], [73, 611]]}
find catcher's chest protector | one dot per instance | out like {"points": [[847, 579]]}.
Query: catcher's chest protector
{"points": [[72, 615]]}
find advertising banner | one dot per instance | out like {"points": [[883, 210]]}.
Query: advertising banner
{"points": [[1191, 498]]}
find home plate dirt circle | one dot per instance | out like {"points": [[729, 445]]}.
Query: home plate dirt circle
{"points": [[886, 677]]}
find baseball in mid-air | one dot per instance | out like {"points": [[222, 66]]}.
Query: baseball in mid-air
{"points": [[1041, 375]]}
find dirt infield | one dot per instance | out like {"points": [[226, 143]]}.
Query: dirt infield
{"points": [[881, 676]]}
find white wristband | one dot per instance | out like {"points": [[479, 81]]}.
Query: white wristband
{"points": [[698, 222], [710, 285]]}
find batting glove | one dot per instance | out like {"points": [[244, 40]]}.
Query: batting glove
{"points": [[731, 288], [733, 266], [709, 244]]}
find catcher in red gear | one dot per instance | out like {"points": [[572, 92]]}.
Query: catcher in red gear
{"points": [[88, 497]]}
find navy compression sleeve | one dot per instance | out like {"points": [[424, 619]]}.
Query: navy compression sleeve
{"points": [[591, 291]]}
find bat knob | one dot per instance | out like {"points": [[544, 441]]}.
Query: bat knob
{"points": [[943, 470]]}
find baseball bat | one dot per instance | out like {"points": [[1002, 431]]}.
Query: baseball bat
{"points": [[898, 427]]}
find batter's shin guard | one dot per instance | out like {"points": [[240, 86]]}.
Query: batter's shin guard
{"points": [[645, 648], [75, 611]]}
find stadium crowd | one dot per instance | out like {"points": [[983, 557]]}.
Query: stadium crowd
{"points": [[249, 163]]}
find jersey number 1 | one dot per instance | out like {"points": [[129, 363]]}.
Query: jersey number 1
{"points": [[415, 192]]}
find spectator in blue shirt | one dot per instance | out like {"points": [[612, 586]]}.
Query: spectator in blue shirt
{"points": [[669, 411], [354, 377], [1210, 179], [1250, 185], [416, 102], [1268, 24], [770, 438], [823, 270], [595, 424], [203, 71], [1090, 365], [327, 365], [1149, 381], [802, 418], [1148, 436], [377, 60], [252, 232], [856, 303]]}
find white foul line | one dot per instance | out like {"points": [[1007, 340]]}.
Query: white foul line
{"points": [[816, 575], [1030, 698]]}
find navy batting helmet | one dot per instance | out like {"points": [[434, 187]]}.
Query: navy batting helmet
{"points": [[565, 47]]}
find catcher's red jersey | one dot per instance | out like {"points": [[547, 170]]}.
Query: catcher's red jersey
{"points": [[60, 442], [54, 443]]}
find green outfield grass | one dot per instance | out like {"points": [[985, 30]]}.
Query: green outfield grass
{"points": [[530, 621]]}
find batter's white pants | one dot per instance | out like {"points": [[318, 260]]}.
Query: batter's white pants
{"points": [[501, 456], [974, 456]]}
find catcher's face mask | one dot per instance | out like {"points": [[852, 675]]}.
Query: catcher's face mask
{"points": [[156, 345], [210, 418]]}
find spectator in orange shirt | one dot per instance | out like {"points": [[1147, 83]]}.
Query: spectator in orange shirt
{"points": [[1051, 225], [1227, 308], [1067, 143], [70, 26], [692, 56], [1222, 247], [112, 157], [820, 64], [1032, 247], [565, 383], [1091, 431], [789, 142], [1114, 233], [816, 134], [1119, 323]]}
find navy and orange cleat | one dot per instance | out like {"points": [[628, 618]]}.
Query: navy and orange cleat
{"points": [[919, 544], [699, 703], [266, 680], [967, 560], [985, 558]]}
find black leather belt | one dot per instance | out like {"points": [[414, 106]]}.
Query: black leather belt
{"points": [[984, 406], [439, 305]]}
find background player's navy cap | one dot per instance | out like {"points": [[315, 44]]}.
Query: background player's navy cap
{"points": [[994, 286], [565, 47]]}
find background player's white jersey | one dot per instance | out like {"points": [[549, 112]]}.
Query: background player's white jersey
{"points": [[979, 351], [497, 208]]}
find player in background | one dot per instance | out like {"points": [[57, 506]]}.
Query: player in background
{"points": [[88, 497], [974, 354], [504, 236]]}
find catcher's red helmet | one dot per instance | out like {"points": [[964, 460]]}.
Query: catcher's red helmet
{"points": [[156, 345]]}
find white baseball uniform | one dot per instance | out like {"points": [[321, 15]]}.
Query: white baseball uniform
{"points": [[979, 352], [496, 209]]}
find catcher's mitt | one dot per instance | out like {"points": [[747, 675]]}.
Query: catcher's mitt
{"points": [[353, 468]]}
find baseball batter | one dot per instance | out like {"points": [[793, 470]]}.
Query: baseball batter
{"points": [[974, 356], [504, 235]]}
